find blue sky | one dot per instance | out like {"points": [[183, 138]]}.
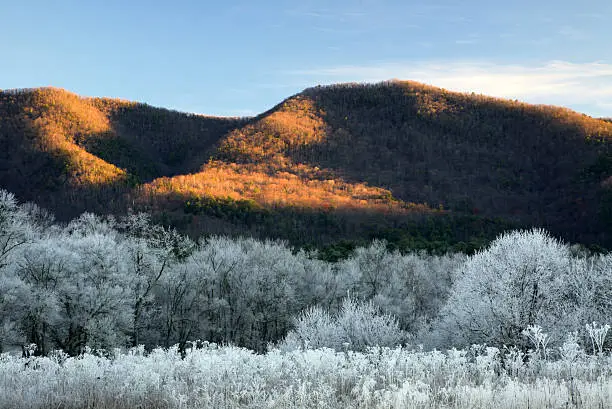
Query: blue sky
{"points": [[243, 57]]}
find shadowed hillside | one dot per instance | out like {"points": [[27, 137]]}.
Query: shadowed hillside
{"points": [[534, 165], [73, 154], [417, 165], [173, 142]]}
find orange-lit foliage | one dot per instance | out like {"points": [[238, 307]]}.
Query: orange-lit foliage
{"points": [[256, 164], [295, 124], [74, 154], [65, 124], [279, 189]]}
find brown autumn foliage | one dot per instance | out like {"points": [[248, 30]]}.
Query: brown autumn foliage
{"points": [[394, 148]]}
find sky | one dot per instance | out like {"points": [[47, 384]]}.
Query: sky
{"points": [[240, 58]]}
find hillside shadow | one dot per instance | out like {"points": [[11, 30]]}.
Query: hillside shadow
{"points": [[471, 154], [154, 142], [318, 228]]}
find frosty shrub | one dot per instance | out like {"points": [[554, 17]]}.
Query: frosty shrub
{"points": [[357, 326], [539, 340], [597, 334], [521, 280], [570, 351], [314, 328]]}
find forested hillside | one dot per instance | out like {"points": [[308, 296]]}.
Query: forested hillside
{"points": [[73, 154], [536, 165], [331, 167]]}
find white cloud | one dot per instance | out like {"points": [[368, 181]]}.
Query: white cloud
{"points": [[584, 86]]}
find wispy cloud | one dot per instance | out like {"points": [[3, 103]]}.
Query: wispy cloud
{"points": [[360, 17], [472, 39], [594, 16], [325, 14], [564, 83], [573, 33], [466, 42]]}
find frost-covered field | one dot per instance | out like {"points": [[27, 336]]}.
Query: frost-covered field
{"points": [[230, 377], [103, 283]]}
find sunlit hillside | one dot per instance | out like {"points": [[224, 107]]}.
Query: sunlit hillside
{"points": [[538, 165], [254, 163], [73, 154], [277, 188], [410, 163]]}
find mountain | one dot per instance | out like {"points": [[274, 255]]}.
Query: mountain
{"points": [[74, 154], [418, 165]]}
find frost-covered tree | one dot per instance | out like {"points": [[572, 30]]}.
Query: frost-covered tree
{"points": [[371, 269], [587, 295], [150, 251], [410, 286], [11, 290], [269, 290], [181, 305], [75, 293], [94, 297], [517, 282], [248, 289], [417, 288], [17, 231], [218, 262], [16, 228], [42, 269], [89, 223], [357, 326], [317, 282]]}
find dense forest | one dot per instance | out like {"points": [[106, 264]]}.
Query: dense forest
{"points": [[331, 168], [537, 165], [103, 283]]}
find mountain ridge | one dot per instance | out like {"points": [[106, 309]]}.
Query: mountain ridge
{"points": [[397, 150]]}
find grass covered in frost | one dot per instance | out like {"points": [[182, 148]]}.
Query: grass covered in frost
{"points": [[230, 377]]}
